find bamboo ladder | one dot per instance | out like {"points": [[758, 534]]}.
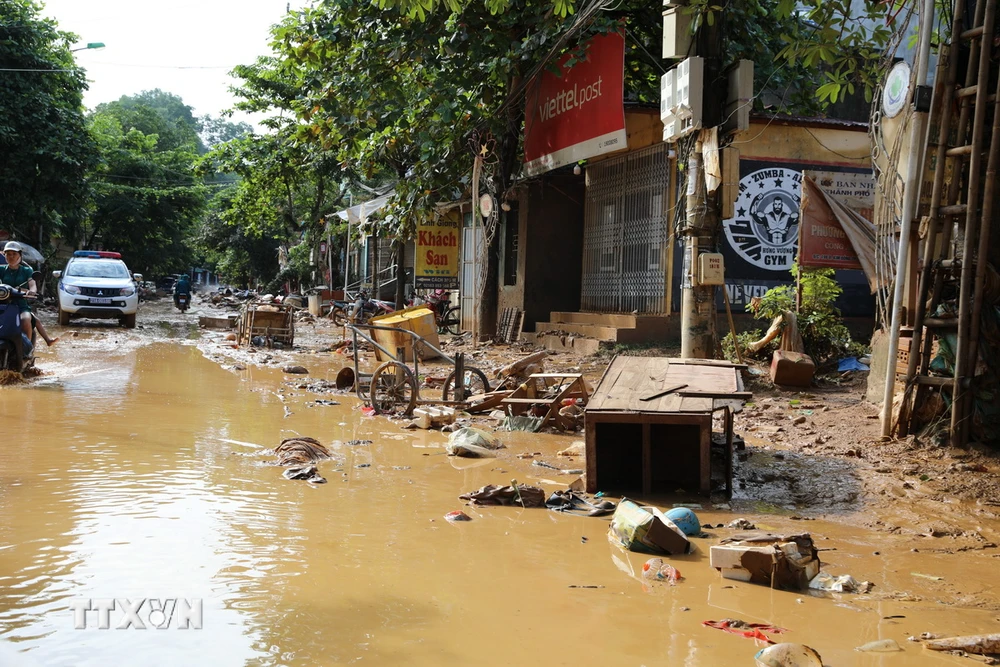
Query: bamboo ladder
{"points": [[972, 216]]}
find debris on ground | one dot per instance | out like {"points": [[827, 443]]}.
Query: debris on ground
{"points": [[472, 442], [656, 570], [520, 495], [515, 373], [788, 655], [308, 473], [457, 516], [742, 628], [522, 423], [845, 583], [685, 519], [741, 524], [578, 448], [430, 417], [880, 646], [646, 530], [573, 501], [787, 562], [977, 644], [295, 370], [293, 451]]}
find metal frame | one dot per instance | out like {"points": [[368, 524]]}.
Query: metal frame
{"points": [[458, 362], [626, 238]]}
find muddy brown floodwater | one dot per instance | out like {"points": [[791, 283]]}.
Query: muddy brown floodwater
{"points": [[143, 478]]}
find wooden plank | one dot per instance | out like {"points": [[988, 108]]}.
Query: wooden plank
{"points": [[706, 456], [623, 389], [647, 461], [610, 376], [745, 395], [659, 394], [590, 437], [556, 375], [707, 362]]}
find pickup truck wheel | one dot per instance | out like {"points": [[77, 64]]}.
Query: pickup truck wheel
{"points": [[128, 321], [63, 318]]}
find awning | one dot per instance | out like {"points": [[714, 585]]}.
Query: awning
{"points": [[359, 213]]}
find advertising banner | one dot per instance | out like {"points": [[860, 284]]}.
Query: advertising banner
{"points": [[761, 239], [437, 252], [579, 114], [823, 241]]}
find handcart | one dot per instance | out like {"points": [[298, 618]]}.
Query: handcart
{"points": [[393, 386], [267, 324]]}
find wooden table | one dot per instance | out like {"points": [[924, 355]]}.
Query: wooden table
{"points": [[573, 386]]}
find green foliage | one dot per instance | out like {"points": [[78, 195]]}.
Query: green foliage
{"points": [[146, 196], [824, 334], [744, 339], [792, 42], [45, 148]]}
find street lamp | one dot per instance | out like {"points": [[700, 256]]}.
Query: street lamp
{"points": [[90, 45]]}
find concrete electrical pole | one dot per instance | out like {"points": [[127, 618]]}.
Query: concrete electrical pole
{"points": [[697, 301], [701, 227]]}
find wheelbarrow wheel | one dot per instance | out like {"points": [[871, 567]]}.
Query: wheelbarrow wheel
{"points": [[474, 380], [393, 389]]}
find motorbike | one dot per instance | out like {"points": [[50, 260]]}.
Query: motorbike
{"points": [[359, 309], [447, 317], [182, 301], [17, 353]]}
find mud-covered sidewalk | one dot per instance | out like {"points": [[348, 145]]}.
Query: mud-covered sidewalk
{"points": [[926, 519]]}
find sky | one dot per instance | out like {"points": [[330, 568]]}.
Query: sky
{"points": [[179, 46]]}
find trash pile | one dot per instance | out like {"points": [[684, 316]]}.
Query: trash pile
{"points": [[298, 456]]}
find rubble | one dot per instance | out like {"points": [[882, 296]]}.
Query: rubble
{"points": [[787, 562]]}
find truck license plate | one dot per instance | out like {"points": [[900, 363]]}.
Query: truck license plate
{"points": [[100, 302]]}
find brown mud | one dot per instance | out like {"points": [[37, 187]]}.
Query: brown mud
{"points": [[147, 476]]}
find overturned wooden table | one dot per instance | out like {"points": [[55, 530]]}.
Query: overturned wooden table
{"points": [[649, 424], [572, 386]]}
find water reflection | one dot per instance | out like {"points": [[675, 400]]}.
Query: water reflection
{"points": [[162, 491]]}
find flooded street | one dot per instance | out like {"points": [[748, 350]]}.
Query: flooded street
{"points": [[143, 478]]}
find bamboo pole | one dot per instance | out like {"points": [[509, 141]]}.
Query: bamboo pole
{"points": [[960, 408], [914, 163], [984, 233]]}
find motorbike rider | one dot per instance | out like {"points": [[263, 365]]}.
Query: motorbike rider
{"points": [[182, 286], [18, 274]]}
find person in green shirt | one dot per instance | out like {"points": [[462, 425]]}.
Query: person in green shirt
{"points": [[18, 274]]}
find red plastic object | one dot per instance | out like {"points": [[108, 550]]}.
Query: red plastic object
{"points": [[368, 411], [748, 630]]}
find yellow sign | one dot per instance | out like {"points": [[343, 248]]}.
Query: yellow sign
{"points": [[437, 252]]}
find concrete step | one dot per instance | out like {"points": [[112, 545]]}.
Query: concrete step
{"points": [[596, 319], [568, 343], [589, 330]]}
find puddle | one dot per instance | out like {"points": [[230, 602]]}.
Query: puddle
{"points": [[140, 480]]}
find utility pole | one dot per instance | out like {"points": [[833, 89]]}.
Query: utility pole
{"points": [[701, 228], [697, 301]]}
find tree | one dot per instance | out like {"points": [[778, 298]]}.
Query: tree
{"points": [[147, 198], [43, 137], [283, 191]]}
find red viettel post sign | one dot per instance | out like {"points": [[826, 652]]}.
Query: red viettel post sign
{"points": [[579, 115]]}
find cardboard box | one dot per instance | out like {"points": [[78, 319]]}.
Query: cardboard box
{"points": [[646, 530], [787, 562]]}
